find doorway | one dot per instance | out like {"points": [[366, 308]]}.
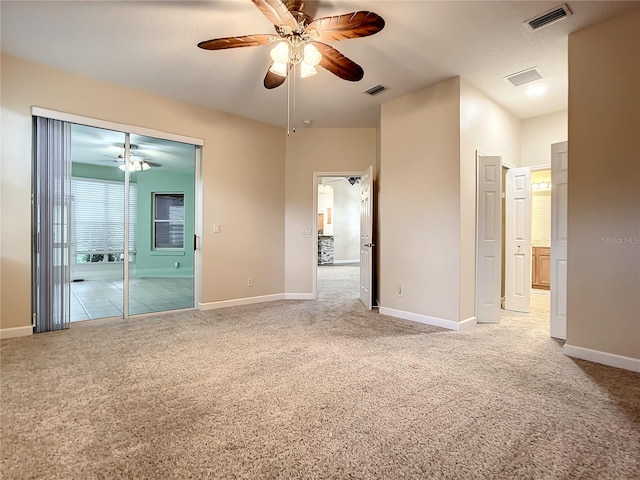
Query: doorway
{"points": [[354, 210], [338, 234], [131, 224], [526, 222]]}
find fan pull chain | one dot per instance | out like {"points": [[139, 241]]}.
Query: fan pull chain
{"points": [[288, 106], [295, 66]]}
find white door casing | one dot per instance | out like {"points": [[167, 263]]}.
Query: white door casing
{"points": [[488, 238], [366, 237], [517, 289], [559, 189]]}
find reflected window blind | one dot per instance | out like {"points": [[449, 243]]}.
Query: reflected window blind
{"points": [[98, 216], [168, 221]]}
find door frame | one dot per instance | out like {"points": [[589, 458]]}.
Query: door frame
{"points": [[198, 143], [314, 231]]}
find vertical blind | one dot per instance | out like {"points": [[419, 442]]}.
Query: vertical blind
{"points": [[98, 216], [52, 179]]}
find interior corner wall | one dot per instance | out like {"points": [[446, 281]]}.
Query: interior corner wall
{"points": [[242, 168], [538, 134], [603, 279], [329, 150], [419, 203], [486, 127]]}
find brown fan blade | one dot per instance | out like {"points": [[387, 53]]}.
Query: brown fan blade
{"points": [[349, 25], [338, 64], [277, 12], [235, 42], [272, 80]]}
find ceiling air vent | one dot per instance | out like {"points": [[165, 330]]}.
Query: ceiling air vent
{"points": [[525, 76], [547, 18], [375, 90]]}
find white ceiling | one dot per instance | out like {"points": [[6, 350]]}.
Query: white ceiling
{"points": [[152, 46]]}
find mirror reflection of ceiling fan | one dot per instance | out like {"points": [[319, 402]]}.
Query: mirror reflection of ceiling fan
{"points": [[137, 163], [301, 40]]}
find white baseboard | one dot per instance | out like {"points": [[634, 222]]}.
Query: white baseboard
{"points": [[340, 262], [426, 319], [299, 296], [240, 301], [468, 323], [16, 332], [597, 356]]}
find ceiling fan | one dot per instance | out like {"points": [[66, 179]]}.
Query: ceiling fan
{"points": [[300, 40], [136, 163]]}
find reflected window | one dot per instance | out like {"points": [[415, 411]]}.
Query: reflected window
{"points": [[168, 221], [98, 221]]}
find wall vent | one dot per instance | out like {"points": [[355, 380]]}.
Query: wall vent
{"points": [[525, 76], [547, 18], [375, 90]]}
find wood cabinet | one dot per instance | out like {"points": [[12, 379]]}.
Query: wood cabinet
{"points": [[541, 268]]}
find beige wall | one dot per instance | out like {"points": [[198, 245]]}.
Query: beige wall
{"points": [[538, 134], [486, 127], [326, 150], [604, 188], [243, 178], [419, 202]]}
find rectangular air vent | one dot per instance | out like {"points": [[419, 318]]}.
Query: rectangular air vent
{"points": [[525, 76], [547, 18], [375, 90]]}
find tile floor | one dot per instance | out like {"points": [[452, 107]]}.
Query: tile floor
{"points": [[104, 298]]}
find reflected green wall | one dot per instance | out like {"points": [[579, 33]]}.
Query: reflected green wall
{"points": [[161, 263], [84, 170], [156, 180]]}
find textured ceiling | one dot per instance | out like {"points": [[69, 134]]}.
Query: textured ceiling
{"points": [[152, 46]]}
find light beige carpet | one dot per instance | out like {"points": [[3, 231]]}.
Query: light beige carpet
{"points": [[301, 389]]}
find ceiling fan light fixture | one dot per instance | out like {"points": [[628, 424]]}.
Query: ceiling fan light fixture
{"points": [[135, 166], [279, 69], [307, 70], [280, 53], [312, 56]]}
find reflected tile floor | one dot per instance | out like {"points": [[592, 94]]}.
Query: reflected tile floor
{"points": [[94, 299]]}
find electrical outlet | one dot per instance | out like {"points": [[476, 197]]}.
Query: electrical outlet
{"points": [[399, 290], [250, 282], [216, 228]]}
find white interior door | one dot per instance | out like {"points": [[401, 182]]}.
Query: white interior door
{"points": [[366, 237], [517, 287], [559, 184], [488, 238]]}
